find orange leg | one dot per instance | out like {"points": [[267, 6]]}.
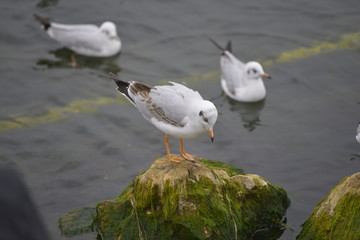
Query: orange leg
{"points": [[183, 153], [168, 154], [74, 63]]}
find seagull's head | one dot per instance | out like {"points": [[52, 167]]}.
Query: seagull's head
{"points": [[109, 29], [254, 70], [208, 114]]}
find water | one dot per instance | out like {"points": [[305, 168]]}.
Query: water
{"points": [[76, 143]]}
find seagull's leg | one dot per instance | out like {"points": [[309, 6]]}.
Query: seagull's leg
{"points": [[168, 154], [183, 153], [74, 63], [166, 141]]}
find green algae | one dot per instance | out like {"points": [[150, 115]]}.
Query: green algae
{"points": [[338, 215], [347, 42], [55, 114], [228, 168], [203, 200]]}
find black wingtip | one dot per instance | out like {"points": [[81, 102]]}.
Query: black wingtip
{"points": [[122, 85], [228, 46], [217, 45], [119, 82], [45, 22]]}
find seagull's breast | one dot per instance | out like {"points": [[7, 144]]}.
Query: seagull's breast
{"points": [[252, 92]]}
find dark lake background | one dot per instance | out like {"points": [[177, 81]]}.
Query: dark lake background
{"points": [[77, 142]]}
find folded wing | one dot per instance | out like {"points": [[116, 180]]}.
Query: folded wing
{"points": [[86, 39], [232, 70], [167, 104]]}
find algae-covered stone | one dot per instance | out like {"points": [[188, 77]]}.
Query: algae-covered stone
{"points": [[77, 221], [192, 200], [338, 215]]}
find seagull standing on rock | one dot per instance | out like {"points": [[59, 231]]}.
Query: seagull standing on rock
{"points": [[174, 109], [241, 82], [84, 39]]}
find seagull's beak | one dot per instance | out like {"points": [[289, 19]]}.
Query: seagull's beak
{"points": [[211, 133], [265, 75], [114, 37]]}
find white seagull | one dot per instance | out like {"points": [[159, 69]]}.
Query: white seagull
{"points": [[85, 39], [174, 109], [241, 81], [358, 133]]}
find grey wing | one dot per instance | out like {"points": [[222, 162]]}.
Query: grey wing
{"points": [[232, 70], [188, 94], [167, 103], [83, 38]]}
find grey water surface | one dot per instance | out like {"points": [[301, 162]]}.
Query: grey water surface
{"points": [[301, 137]]}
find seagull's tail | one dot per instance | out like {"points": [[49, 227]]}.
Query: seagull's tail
{"points": [[45, 22], [227, 48]]}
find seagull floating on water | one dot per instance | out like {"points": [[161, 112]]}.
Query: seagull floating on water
{"points": [[358, 133], [85, 39], [174, 109], [241, 82]]}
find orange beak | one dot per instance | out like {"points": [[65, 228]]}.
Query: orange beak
{"points": [[265, 75], [211, 133], [114, 37]]}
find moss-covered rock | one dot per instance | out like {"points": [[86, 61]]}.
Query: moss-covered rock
{"points": [[338, 215], [192, 200], [77, 221]]}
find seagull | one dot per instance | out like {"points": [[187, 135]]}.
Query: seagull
{"points": [[358, 133], [174, 109], [84, 39], [241, 81]]}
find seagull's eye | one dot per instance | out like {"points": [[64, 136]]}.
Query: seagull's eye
{"points": [[254, 71], [201, 113], [106, 32], [206, 119]]}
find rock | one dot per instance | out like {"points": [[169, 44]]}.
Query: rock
{"points": [[192, 200], [77, 221], [338, 215]]}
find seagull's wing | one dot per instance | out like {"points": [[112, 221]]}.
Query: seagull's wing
{"points": [[232, 70], [85, 39], [167, 104], [188, 94]]}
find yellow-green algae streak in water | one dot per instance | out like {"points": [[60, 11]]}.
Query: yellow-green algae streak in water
{"points": [[348, 41], [57, 113]]}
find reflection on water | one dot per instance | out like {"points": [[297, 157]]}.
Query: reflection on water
{"points": [[63, 60], [249, 112], [46, 3], [354, 156]]}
